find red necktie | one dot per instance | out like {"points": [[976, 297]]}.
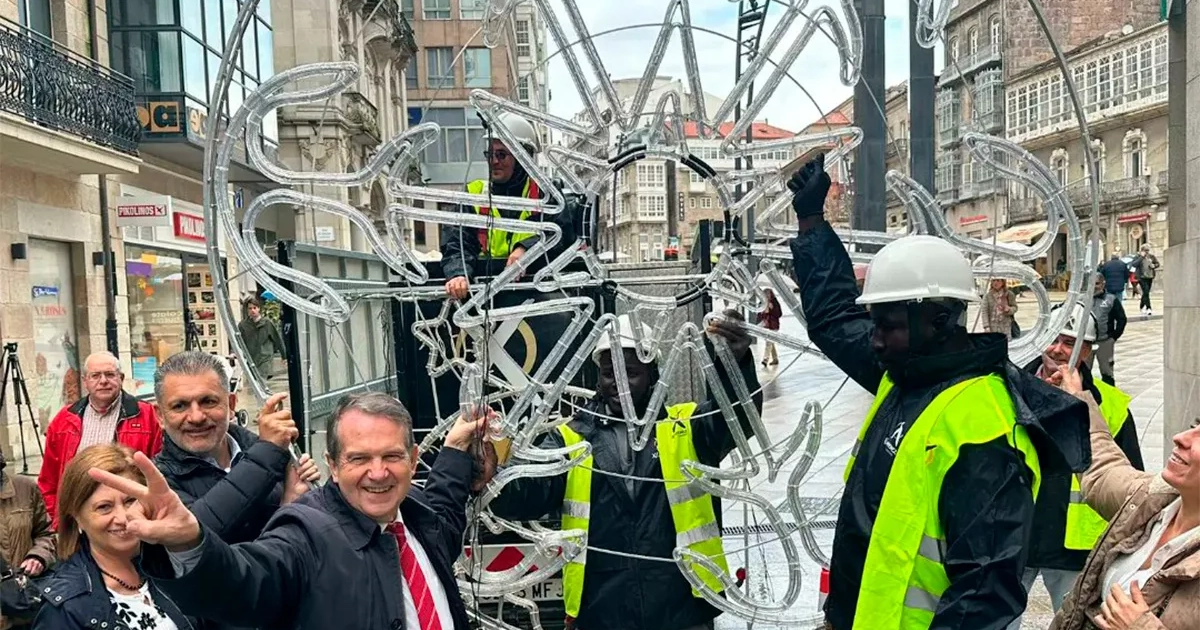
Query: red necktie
{"points": [[422, 596]]}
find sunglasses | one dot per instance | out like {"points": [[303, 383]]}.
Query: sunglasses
{"points": [[498, 156]]}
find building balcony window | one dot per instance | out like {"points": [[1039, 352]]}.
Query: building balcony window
{"points": [[55, 88], [1117, 192], [984, 57]]}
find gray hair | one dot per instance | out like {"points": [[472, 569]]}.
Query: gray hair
{"points": [[371, 404], [190, 363], [102, 355]]}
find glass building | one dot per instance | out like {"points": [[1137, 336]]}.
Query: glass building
{"points": [[172, 49]]}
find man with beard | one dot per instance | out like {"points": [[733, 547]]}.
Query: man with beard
{"points": [[463, 246], [648, 510], [1064, 528], [940, 486], [230, 478]]}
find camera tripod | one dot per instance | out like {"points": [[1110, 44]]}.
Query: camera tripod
{"points": [[23, 404]]}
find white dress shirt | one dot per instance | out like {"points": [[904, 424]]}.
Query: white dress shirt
{"points": [[1127, 569], [440, 602]]}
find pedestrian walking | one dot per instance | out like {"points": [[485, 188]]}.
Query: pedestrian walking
{"points": [[1145, 268], [1116, 275], [769, 318], [1110, 325], [999, 308]]}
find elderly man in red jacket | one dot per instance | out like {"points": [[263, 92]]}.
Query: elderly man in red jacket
{"points": [[106, 414]]}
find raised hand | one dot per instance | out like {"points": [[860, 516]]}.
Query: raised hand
{"points": [[300, 478], [164, 520], [275, 424], [809, 187], [730, 327]]}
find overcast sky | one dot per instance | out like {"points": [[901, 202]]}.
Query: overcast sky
{"points": [[625, 55]]}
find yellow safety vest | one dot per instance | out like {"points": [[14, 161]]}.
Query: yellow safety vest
{"points": [[691, 509], [903, 576], [1085, 525], [498, 243]]}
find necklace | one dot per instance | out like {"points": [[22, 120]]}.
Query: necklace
{"points": [[123, 583]]}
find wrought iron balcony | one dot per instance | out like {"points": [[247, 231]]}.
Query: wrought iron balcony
{"points": [[967, 64], [1024, 210], [1125, 190], [53, 87]]}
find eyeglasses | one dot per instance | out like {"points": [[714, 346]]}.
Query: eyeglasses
{"points": [[101, 376], [498, 156]]}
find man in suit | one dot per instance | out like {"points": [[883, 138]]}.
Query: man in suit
{"points": [[367, 551]]}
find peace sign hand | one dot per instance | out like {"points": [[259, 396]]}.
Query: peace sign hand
{"points": [[164, 519]]}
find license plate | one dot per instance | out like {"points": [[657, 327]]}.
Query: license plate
{"points": [[549, 590]]}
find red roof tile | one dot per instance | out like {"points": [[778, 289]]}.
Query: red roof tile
{"points": [[760, 130]]}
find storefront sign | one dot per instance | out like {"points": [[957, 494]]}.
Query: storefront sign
{"points": [[1133, 218], [979, 218], [160, 117], [144, 211], [44, 292], [197, 123], [189, 226]]}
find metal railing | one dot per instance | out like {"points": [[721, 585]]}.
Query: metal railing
{"points": [[54, 87], [1118, 191], [967, 64], [1023, 210]]}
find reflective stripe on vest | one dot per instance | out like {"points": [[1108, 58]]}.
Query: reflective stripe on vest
{"points": [[692, 510], [903, 575], [1085, 525], [496, 242]]}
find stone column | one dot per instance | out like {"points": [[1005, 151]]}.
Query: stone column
{"points": [[1181, 327]]}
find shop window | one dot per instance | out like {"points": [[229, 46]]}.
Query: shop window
{"points": [[156, 301], [54, 378]]}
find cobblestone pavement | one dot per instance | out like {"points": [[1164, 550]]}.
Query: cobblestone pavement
{"points": [[797, 380]]}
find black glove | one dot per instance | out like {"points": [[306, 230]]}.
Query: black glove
{"points": [[809, 187]]}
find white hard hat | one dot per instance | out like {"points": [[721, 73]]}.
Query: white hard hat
{"points": [[1072, 327], [522, 129], [918, 268], [627, 340]]}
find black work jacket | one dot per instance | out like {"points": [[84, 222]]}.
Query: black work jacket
{"points": [[75, 598], [320, 564], [461, 249], [235, 505], [986, 505], [622, 593], [1046, 548]]}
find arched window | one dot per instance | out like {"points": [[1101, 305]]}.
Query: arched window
{"points": [[973, 41], [1060, 164], [1134, 149], [953, 48], [1098, 154], [994, 26]]}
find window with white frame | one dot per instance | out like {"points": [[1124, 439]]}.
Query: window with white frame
{"points": [[706, 202], [695, 177], [472, 9], [522, 38], [477, 67], [622, 209], [692, 203], [1106, 79], [948, 113], [523, 90], [462, 138], [435, 9], [1135, 153], [989, 93], [948, 176], [952, 49], [1060, 164], [651, 175], [994, 27], [410, 73], [973, 40], [644, 242], [1099, 154], [652, 208], [439, 72], [658, 249]]}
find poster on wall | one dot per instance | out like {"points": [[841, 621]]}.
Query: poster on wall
{"points": [[55, 376], [143, 375]]}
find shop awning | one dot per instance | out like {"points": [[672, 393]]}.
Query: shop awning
{"points": [[1022, 233]]}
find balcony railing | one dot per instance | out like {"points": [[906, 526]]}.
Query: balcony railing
{"points": [[897, 149], [56, 88], [1120, 191], [948, 194], [1024, 210], [967, 64]]}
